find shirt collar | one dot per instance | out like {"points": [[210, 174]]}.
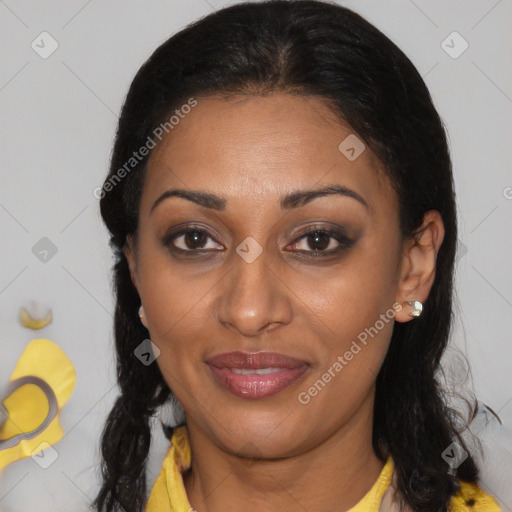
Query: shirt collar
{"points": [[169, 494]]}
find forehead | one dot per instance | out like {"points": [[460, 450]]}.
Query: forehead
{"points": [[252, 148]]}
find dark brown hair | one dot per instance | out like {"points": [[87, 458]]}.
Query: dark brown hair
{"points": [[311, 48]]}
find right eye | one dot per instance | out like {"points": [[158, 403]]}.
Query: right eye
{"points": [[190, 240]]}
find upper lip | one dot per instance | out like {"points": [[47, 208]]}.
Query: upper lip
{"points": [[255, 360]]}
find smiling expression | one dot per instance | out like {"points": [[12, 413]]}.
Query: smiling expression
{"points": [[257, 235]]}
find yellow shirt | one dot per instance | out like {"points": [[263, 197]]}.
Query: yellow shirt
{"points": [[169, 494]]}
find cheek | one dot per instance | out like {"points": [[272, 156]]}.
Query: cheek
{"points": [[355, 310], [173, 303], [177, 327], [169, 291], [337, 311], [357, 321], [359, 291]]}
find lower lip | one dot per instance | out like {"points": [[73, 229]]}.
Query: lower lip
{"points": [[254, 386]]}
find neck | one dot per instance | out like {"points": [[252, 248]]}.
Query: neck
{"points": [[334, 475]]}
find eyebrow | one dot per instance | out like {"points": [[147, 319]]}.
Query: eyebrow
{"points": [[296, 199]]}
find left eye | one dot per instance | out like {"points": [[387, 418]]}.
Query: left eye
{"points": [[321, 241]]}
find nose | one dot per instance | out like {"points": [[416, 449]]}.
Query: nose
{"points": [[253, 298]]}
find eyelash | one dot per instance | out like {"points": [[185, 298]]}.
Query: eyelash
{"points": [[343, 241]]}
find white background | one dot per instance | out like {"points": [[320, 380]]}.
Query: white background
{"points": [[58, 117]]}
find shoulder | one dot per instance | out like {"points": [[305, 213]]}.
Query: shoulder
{"points": [[468, 498], [471, 498]]}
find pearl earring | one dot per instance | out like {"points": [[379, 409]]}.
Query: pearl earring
{"points": [[142, 316], [418, 307]]}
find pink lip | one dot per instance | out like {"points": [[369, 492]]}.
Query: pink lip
{"points": [[254, 386]]}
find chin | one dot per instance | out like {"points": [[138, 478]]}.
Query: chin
{"points": [[267, 436]]}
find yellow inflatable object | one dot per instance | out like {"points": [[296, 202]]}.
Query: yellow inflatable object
{"points": [[26, 320], [40, 385]]}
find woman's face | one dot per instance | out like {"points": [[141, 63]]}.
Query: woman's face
{"points": [[247, 278]]}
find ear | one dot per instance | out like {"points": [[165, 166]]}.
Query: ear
{"points": [[418, 266], [130, 253]]}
